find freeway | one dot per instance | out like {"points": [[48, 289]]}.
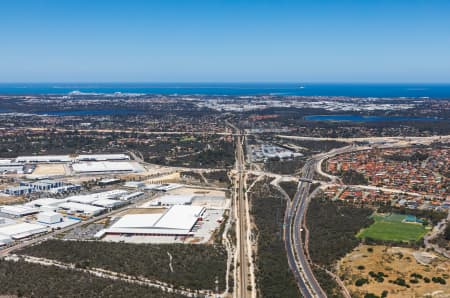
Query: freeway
{"points": [[293, 222], [308, 285]]}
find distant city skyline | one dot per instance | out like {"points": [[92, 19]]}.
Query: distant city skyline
{"points": [[225, 41]]}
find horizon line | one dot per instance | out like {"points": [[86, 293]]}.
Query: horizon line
{"points": [[226, 82]]}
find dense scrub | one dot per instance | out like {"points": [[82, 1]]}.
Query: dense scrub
{"points": [[217, 155], [32, 280], [220, 177], [332, 227], [327, 283], [273, 275], [290, 187], [54, 143], [319, 146], [285, 166], [194, 266], [354, 178]]}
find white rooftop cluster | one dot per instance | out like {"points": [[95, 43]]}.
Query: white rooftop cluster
{"points": [[271, 151], [90, 198], [89, 205]]}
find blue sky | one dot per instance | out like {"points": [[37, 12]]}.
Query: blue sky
{"points": [[224, 41]]}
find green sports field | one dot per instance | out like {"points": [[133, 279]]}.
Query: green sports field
{"points": [[391, 228]]}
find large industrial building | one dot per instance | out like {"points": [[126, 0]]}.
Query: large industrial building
{"points": [[17, 210], [46, 185], [46, 204], [4, 240], [178, 220], [42, 185], [18, 190], [44, 158], [68, 158], [22, 230], [6, 166], [108, 203], [90, 198], [49, 217], [162, 187], [81, 209], [101, 157], [169, 200], [97, 167]]}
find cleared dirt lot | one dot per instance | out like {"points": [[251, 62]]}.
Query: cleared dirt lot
{"points": [[394, 263], [49, 169], [196, 191], [5, 200]]}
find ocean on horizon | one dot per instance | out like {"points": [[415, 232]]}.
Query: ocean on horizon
{"points": [[235, 89]]}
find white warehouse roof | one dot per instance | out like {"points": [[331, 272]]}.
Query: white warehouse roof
{"points": [[45, 202], [173, 200], [103, 166], [68, 158], [18, 210], [82, 208], [163, 187], [90, 198], [137, 221], [102, 157], [4, 239], [134, 184], [44, 158], [107, 203], [22, 230], [49, 217], [131, 196], [180, 217], [86, 199]]}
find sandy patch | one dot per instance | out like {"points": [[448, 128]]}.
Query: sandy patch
{"points": [[394, 263], [49, 169]]}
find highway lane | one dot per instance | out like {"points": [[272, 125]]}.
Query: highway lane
{"points": [[291, 257], [308, 285], [296, 213]]}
